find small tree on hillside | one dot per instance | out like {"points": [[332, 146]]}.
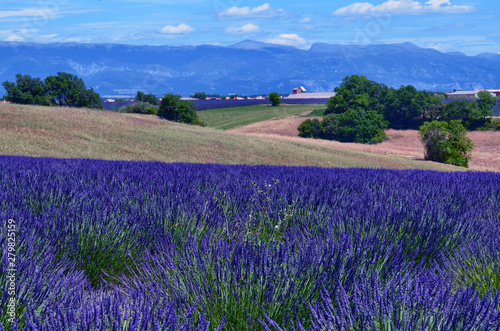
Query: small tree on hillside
{"points": [[172, 108], [446, 142], [275, 99]]}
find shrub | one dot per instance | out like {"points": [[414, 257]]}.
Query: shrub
{"points": [[122, 109], [138, 108], [275, 99], [310, 128], [351, 126], [491, 125], [142, 108], [149, 98], [446, 142], [317, 112]]}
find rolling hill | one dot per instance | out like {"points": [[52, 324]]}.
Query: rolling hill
{"points": [[87, 133]]}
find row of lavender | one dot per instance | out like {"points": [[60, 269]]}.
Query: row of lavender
{"points": [[107, 245], [214, 104]]}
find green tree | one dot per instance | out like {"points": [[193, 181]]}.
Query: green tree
{"points": [[457, 110], [26, 90], [172, 108], [329, 127], [149, 98], [483, 106], [458, 146], [370, 128], [356, 92], [446, 142], [350, 126], [360, 127], [90, 99], [433, 136], [275, 99], [200, 95], [403, 108], [68, 90]]}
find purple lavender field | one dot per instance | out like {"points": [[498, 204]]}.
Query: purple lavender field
{"points": [[103, 245]]}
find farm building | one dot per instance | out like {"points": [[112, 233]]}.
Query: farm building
{"points": [[495, 92], [471, 95], [300, 93], [298, 90]]}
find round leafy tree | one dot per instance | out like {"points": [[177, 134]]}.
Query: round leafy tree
{"points": [[275, 99], [172, 108], [446, 142]]}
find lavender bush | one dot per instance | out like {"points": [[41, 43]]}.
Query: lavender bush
{"points": [[150, 246]]}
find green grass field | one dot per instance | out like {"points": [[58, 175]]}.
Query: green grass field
{"points": [[318, 112], [228, 118], [88, 133]]}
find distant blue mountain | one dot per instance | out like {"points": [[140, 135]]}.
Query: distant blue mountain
{"points": [[247, 68]]}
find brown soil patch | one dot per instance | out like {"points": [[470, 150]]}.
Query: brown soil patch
{"points": [[485, 156]]}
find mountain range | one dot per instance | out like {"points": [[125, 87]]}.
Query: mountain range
{"points": [[247, 68]]}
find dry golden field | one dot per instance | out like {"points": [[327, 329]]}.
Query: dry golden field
{"points": [[485, 156], [87, 133]]}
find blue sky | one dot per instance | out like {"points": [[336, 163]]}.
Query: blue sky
{"points": [[465, 26]]}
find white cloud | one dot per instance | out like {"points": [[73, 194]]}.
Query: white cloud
{"points": [[14, 38], [264, 10], [179, 29], [291, 39], [403, 7], [305, 20], [49, 36], [245, 29], [26, 12], [43, 13]]}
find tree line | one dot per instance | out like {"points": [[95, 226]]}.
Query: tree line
{"points": [[68, 90], [372, 107], [64, 89], [362, 110]]}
